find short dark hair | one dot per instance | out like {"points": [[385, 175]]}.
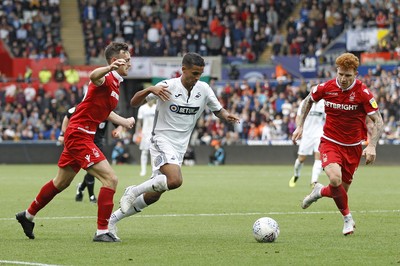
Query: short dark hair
{"points": [[114, 49], [191, 59]]}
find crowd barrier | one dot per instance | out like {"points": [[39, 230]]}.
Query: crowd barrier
{"points": [[48, 153]]}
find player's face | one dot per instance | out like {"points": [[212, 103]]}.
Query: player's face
{"points": [[191, 75], [345, 77], [123, 70]]}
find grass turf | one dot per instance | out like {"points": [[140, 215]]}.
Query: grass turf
{"points": [[208, 221]]}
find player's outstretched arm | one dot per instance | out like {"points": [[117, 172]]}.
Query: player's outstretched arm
{"points": [[97, 75], [225, 115], [122, 121]]}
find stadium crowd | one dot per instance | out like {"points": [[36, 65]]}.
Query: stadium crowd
{"points": [[32, 29], [171, 28], [267, 110], [233, 28]]}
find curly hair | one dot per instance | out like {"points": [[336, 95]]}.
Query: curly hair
{"points": [[347, 61]]}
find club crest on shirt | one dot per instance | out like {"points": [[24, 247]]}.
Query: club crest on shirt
{"points": [[352, 96], [373, 103], [198, 95], [324, 157]]}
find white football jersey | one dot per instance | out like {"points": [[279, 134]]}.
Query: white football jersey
{"points": [[176, 118], [146, 113], [314, 124]]}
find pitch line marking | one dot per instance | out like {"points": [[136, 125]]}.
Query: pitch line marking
{"points": [[213, 214], [25, 263]]}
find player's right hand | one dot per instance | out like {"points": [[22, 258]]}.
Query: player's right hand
{"points": [[61, 140], [161, 91], [297, 134], [117, 63]]}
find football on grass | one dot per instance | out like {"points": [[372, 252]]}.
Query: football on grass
{"points": [[265, 230]]}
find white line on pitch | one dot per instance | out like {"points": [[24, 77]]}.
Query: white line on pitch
{"points": [[25, 263], [213, 214]]}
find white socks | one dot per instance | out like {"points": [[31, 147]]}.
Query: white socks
{"points": [[101, 232], [157, 183], [29, 216], [137, 206], [297, 167], [143, 160], [316, 171]]}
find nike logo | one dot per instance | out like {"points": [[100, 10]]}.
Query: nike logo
{"points": [[177, 95]]}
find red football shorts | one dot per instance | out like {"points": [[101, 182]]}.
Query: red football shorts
{"points": [[348, 157], [79, 151]]}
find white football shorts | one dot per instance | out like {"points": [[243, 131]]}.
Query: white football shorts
{"points": [[308, 146], [145, 142], [162, 152]]}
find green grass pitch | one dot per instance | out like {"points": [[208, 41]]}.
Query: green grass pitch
{"points": [[207, 221]]}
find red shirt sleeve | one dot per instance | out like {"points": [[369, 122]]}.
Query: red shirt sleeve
{"points": [[369, 102], [317, 92]]}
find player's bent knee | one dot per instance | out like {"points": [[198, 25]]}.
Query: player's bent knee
{"points": [[110, 181], [174, 184], [335, 181]]}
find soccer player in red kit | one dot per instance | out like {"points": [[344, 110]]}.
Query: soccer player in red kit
{"points": [[348, 103], [80, 151]]}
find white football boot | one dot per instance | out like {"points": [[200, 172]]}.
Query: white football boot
{"points": [[313, 196], [349, 225], [127, 199]]}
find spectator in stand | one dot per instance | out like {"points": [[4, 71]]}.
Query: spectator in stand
{"points": [[28, 74], [72, 75], [30, 93], [218, 155], [59, 75], [44, 75], [119, 154]]}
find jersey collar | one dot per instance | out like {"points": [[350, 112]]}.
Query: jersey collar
{"points": [[349, 88], [117, 76]]}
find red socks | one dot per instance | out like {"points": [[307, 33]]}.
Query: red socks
{"points": [[339, 195], [46, 194], [105, 206], [105, 203]]}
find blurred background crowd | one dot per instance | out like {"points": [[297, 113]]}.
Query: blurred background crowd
{"points": [[232, 29]]}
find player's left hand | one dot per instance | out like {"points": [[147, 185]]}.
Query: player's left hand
{"points": [[116, 133], [130, 122], [370, 154], [232, 118]]}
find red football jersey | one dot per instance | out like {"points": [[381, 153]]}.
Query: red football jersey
{"points": [[97, 104], [346, 111]]}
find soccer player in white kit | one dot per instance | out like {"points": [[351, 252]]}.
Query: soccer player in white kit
{"points": [[309, 142], [180, 102], [144, 127]]}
